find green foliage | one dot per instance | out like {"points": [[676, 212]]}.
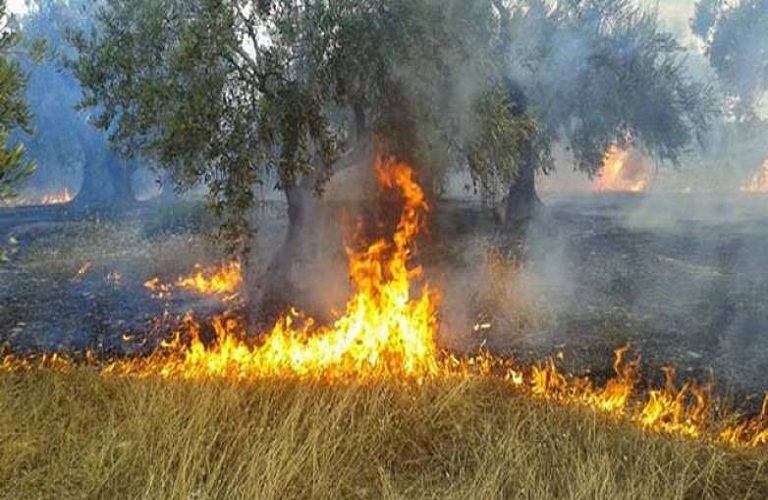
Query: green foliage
{"points": [[501, 137], [228, 92], [601, 72], [736, 37], [232, 92], [13, 109]]}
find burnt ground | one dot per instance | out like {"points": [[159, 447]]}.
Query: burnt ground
{"points": [[683, 280], [74, 280]]}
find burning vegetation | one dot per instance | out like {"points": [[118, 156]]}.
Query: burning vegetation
{"points": [[388, 331], [623, 171], [223, 281], [51, 198], [759, 182]]}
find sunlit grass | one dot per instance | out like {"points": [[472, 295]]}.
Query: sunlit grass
{"points": [[82, 435]]}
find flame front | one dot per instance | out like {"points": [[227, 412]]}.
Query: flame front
{"points": [[388, 331], [759, 181], [620, 173]]}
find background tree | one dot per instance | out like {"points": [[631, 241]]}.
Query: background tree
{"points": [[65, 140], [735, 35], [13, 108], [231, 91], [598, 73]]}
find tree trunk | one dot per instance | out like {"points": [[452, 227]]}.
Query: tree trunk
{"points": [[106, 180], [167, 192], [277, 290], [121, 176], [522, 202]]}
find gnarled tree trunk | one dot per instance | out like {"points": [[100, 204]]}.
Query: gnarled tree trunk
{"points": [[522, 202], [106, 180]]}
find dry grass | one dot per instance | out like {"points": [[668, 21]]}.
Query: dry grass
{"points": [[81, 435]]}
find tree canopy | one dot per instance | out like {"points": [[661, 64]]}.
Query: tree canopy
{"points": [[603, 73], [228, 91], [736, 37], [13, 108]]}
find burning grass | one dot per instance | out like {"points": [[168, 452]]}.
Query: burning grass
{"points": [[78, 434], [365, 407], [36, 199]]}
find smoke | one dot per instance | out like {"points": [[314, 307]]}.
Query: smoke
{"points": [[674, 271]]}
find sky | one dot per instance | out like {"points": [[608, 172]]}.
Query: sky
{"points": [[16, 6]]}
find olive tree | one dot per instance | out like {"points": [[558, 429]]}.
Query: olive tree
{"points": [[229, 92], [14, 111]]}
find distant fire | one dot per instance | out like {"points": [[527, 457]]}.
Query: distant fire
{"points": [[759, 181], [623, 171], [56, 198]]}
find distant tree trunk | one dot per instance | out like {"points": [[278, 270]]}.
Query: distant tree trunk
{"points": [[121, 174], [106, 180], [167, 191], [522, 202]]}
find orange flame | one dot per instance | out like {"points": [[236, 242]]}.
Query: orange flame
{"points": [[58, 198], [222, 280], [759, 181], [385, 331], [621, 173]]}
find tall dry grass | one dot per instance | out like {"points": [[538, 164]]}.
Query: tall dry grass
{"points": [[82, 435]]}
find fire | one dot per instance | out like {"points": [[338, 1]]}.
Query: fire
{"points": [[384, 331], [388, 330], [57, 198], [759, 181], [212, 281], [621, 172], [224, 280]]}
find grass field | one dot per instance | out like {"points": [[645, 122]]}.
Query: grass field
{"points": [[83, 435]]}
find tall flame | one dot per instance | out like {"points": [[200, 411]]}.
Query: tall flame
{"points": [[621, 173], [385, 330], [759, 182]]}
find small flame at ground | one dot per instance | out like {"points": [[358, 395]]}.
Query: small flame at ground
{"points": [[621, 172], [212, 281], [759, 181], [57, 198], [224, 280]]}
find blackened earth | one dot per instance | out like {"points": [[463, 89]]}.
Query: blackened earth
{"points": [[682, 280]]}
